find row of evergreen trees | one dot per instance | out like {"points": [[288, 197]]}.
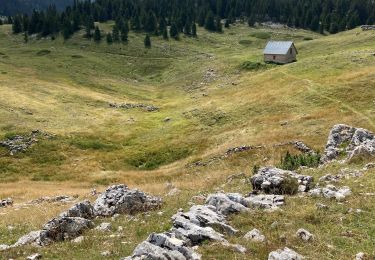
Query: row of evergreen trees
{"points": [[155, 16]]}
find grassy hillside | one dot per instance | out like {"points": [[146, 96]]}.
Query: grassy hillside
{"points": [[213, 102]]}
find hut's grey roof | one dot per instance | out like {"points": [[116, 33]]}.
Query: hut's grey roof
{"points": [[278, 47]]}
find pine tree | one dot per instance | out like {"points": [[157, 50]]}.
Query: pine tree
{"points": [[151, 23], [97, 34], [209, 23], [17, 24], [201, 18], [147, 41], [187, 28], [173, 31], [25, 37], [227, 23], [194, 30], [109, 38], [67, 29]]}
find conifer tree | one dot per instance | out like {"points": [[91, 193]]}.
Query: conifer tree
{"points": [[97, 34], [109, 38], [147, 41], [209, 23], [25, 37], [173, 31], [17, 24]]}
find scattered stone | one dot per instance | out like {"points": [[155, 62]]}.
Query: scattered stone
{"points": [[148, 108], [4, 247], [104, 227], [367, 27], [321, 206], [120, 199], [255, 235], [60, 199], [351, 141], [275, 181], [285, 254], [167, 119], [265, 201], [303, 147], [120, 229], [369, 166], [360, 256], [34, 256], [236, 247], [304, 235], [6, 202], [78, 240], [330, 192], [19, 143], [106, 253]]}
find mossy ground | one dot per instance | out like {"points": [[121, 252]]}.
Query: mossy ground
{"points": [[67, 87]]}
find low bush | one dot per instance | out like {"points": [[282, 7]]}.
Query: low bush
{"points": [[249, 65], [292, 162]]}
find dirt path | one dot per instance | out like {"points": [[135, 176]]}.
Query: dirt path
{"points": [[310, 87]]}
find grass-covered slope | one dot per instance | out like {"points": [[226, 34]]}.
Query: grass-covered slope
{"points": [[213, 103]]}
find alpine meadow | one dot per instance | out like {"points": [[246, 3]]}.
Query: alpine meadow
{"points": [[186, 130]]}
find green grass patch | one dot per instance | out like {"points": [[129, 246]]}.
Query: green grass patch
{"points": [[92, 143], [261, 35], [43, 52], [150, 160], [245, 42], [250, 65]]}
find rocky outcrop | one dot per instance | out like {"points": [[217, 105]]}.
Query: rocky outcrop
{"points": [[119, 199], [275, 181], [82, 209], [331, 192], [63, 228], [347, 141], [148, 108], [285, 254], [20, 143], [73, 222], [163, 246], [201, 223]]}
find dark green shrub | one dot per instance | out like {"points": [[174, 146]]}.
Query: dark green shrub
{"points": [[292, 162], [249, 65]]}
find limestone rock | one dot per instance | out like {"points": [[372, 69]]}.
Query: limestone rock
{"points": [[63, 228], [227, 203], [265, 201], [255, 235], [360, 256], [164, 246], [304, 235], [34, 256], [78, 240], [4, 247], [330, 192], [32, 238], [350, 141], [236, 247], [6, 202], [285, 254], [120, 199], [274, 180], [82, 209], [104, 227]]}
